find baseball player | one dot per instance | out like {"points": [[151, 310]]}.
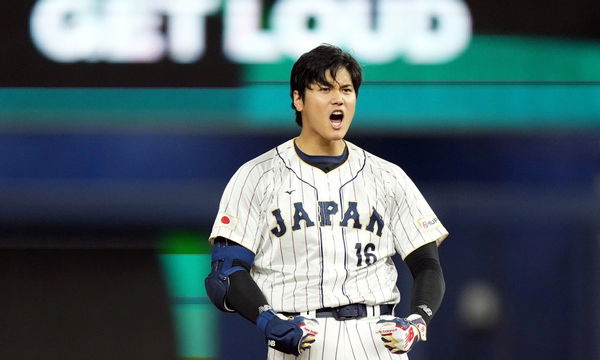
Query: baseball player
{"points": [[305, 233]]}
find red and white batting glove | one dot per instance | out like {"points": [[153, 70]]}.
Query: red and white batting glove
{"points": [[400, 334], [310, 329]]}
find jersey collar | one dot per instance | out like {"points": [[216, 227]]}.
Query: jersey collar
{"points": [[347, 170]]}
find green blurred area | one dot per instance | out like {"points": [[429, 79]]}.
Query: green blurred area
{"points": [[185, 259], [185, 242]]}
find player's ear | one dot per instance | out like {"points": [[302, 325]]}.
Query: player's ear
{"points": [[298, 102]]}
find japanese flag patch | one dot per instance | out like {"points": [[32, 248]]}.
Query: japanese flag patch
{"points": [[227, 221]]}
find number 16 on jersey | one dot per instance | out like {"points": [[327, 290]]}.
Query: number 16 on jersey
{"points": [[366, 253]]}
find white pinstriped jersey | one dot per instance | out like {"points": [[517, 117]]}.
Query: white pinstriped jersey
{"points": [[325, 239]]}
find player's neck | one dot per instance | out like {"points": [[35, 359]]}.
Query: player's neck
{"points": [[320, 146]]}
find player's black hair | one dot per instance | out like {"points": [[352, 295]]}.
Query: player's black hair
{"points": [[313, 66]]}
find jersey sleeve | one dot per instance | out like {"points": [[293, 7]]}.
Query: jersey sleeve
{"points": [[414, 223], [239, 212]]}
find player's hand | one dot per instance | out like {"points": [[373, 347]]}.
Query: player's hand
{"points": [[399, 335], [291, 335]]}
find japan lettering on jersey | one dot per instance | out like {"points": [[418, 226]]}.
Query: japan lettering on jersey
{"points": [[325, 239]]}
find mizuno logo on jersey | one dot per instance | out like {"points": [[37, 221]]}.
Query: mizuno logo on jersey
{"points": [[327, 209]]}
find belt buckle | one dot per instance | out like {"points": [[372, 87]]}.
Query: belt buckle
{"points": [[352, 311]]}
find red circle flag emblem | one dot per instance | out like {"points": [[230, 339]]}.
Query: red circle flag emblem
{"points": [[225, 220]]}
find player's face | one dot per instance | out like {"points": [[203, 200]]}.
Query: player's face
{"points": [[327, 111]]}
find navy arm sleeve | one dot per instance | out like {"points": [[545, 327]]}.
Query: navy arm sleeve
{"points": [[244, 295], [429, 286]]}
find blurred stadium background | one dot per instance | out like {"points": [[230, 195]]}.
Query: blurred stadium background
{"points": [[122, 120]]}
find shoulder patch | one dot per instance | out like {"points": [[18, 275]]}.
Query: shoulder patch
{"points": [[428, 223], [227, 221]]}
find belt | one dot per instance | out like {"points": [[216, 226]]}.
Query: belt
{"points": [[347, 312]]}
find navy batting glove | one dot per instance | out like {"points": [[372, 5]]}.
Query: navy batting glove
{"points": [[291, 335]]}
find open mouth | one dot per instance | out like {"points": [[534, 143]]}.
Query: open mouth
{"points": [[336, 119]]}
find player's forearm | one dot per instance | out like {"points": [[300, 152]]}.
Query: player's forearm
{"points": [[429, 285], [245, 296], [428, 292]]}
